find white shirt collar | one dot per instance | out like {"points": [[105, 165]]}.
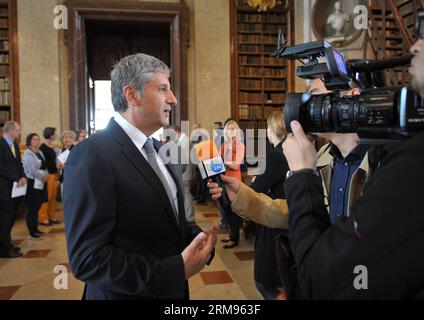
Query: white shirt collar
{"points": [[136, 136]]}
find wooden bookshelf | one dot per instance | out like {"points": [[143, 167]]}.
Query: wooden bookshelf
{"points": [[9, 82], [259, 82]]}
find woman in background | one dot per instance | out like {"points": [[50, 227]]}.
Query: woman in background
{"points": [[232, 151], [271, 183], [81, 136], [48, 210], [36, 172], [68, 141]]}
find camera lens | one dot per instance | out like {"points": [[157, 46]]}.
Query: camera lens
{"points": [[374, 113]]}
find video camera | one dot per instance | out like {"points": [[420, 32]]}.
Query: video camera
{"points": [[378, 112]]}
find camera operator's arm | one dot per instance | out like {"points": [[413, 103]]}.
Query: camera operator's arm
{"points": [[254, 206]]}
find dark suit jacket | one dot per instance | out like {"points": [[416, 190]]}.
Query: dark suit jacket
{"points": [[123, 238], [384, 233], [10, 168]]}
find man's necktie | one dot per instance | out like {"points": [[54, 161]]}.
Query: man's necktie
{"points": [[151, 158], [12, 148]]}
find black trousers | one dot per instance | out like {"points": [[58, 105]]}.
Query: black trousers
{"points": [[32, 217], [7, 219], [34, 200], [234, 221]]}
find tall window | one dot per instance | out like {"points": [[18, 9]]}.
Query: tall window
{"points": [[103, 102]]}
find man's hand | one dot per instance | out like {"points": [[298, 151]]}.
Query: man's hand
{"points": [[231, 184], [45, 178], [60, 166], [22, 182], [299, 150], [197, 253]]}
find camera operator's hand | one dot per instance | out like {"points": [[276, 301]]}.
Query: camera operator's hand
{"points": [[299, 150], [231, 184]]}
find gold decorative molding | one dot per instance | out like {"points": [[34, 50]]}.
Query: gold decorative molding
{"points": [[263, 5]]}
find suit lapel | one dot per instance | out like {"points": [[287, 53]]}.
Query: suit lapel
{"points": [[6, 144], [171, 170], [134, 156]]}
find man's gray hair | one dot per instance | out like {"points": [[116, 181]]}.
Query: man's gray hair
{"points": [[9, 125], [135, 70]]}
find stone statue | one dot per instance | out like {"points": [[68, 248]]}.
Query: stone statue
{"points": [[338, 19]]}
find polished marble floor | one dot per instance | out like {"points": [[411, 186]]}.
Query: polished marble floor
{"points": [[40, 273]]}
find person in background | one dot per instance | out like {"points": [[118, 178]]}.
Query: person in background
{"points": [[11, 171], [199, 189], [68, 142], [183, 141], [270, 183], [35, 168], [47, 213], [232, 151], [81, 136]]}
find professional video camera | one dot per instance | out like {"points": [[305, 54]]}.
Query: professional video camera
{"points": [[378, 112]]}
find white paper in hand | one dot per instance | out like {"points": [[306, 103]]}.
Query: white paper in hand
{"points": [[63, 156], [18, 191], [38, 184]]}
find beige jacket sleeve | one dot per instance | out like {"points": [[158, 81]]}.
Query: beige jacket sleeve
{"points": [[260, 208]]}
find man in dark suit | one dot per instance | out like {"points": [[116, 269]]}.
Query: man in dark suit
{"points": [[124, 210], [11, 171]]}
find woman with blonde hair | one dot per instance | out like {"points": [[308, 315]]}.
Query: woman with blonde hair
{"points": [[232, 151], [271, 183]]}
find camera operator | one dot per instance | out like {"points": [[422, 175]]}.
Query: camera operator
{"points": [[384, 234], [342, 162]]}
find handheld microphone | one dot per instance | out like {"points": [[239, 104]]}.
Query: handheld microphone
{"points": [[211, 166]]}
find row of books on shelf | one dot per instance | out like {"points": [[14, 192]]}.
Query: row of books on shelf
{"points": [[256, 112], [260, 71], [255, 125], [264, 49], [4, 84], [4, 98], [247, 97], [275, 84], [3, 11], [250, 59], [277, 98], [4, 33], [246, 59], [250, 83], [4, 70], [268, 28], [4, 45], [257, 83], [4, 58], [256, 38], [249, 27], [4, 116], [253, 48], [4, 22], [255, 17], [250, 112]]}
